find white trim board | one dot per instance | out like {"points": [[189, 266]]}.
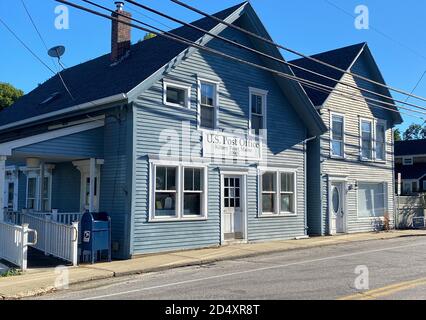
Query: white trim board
{"points": [[7, 147], [84, 106]]}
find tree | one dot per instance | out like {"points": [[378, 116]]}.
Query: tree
{"points": [[415, 132], [149, 35], [8, 95], [397, 135]]}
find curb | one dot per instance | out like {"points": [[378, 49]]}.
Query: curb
{"points": [[195, 262]]}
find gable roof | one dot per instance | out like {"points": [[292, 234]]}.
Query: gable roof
{"points": [[410, 148], [97, 79], [342, 58]]}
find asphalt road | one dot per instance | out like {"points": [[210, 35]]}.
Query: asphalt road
{"points": [[389, 269]]}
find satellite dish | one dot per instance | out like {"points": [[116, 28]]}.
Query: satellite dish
{"points": [[56, 52]]}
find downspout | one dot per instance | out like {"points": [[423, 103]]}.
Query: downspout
{"points": [[305, 160]]}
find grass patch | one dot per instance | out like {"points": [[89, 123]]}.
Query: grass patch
{"points": [[11, 273]]}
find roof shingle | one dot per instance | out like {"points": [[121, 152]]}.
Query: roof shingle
{"points": [[96, 79]]}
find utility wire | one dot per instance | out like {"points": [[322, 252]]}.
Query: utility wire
{"points": [[25, 46], [179, 39], [417, 84], [266, 55], [47, 48], [286, 75], [378, 31], [294, 51]]}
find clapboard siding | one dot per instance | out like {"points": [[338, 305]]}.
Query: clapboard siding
{"points": [[66, 184], [115, 176], [352, 167], [83, 144], [286, 132]]}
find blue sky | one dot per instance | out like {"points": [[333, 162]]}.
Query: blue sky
{"points": [[396, 34]]}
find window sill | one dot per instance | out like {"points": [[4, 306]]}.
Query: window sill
{"points": [[168, 104], [370, 218], [337, 157], [185, 219], [274, 215]]}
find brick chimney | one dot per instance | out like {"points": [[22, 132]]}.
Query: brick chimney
{"points": [[121, 33]]}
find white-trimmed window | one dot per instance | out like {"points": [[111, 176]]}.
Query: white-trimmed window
{"points": [[32, 193], [278, 193], [269, 192], [371, 199], [257, 111], [337, 135], [38, 196], [366, 139], [193, 191], [380, 141], [424, 185], [208, 104], [176, 95], [179, 192], [287, 192], [407, 161], [165, 191]]}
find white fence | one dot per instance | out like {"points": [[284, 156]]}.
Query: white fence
{"points": [[57, 239], [14, 243]]}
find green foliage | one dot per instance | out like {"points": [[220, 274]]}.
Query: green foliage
{"points": [[415, 132], [397, 135], [149, 35], [8, 95], [11, 273]]}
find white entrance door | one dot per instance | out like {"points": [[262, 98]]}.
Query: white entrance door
{"points": [[232, 208], [85, 195], [11, 193], [337, 208]]}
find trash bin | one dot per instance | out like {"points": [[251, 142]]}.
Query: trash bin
{"points": [[95, 236]]}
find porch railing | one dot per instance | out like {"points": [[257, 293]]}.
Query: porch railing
{"points": [[14, 243], [57, 239]]}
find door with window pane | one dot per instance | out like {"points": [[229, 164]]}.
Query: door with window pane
{"points": [[337, 208], [232, 208]]}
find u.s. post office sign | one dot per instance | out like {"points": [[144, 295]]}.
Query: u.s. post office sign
{"points": [[231, 146]]}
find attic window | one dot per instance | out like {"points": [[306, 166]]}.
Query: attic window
{"points": [[50, 98]]}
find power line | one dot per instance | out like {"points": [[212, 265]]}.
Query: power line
{"points": [[25, 46], [294, 51], [266, 55], [417, 84], [377, 30], [176, 38], [47, 48]]}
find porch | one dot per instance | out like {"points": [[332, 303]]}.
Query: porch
{"points": [[47, 182]]}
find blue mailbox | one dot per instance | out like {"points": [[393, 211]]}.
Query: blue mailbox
{"points": [[95, 236]]}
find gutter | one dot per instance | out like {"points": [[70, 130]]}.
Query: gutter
{"points": [[80, 107]]}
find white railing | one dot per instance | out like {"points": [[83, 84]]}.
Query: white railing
{"points": [[14, 243], [57, 239]]}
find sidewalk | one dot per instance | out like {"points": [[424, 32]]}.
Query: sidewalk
{"points": [[41, 281]]}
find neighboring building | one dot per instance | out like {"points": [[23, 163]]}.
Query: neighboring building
{"points": [[350, 168], [410, 162], [169, 141]]}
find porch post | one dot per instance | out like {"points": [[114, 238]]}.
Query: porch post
{"points": [[40, 188], [92, 184], [2, 181]]}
